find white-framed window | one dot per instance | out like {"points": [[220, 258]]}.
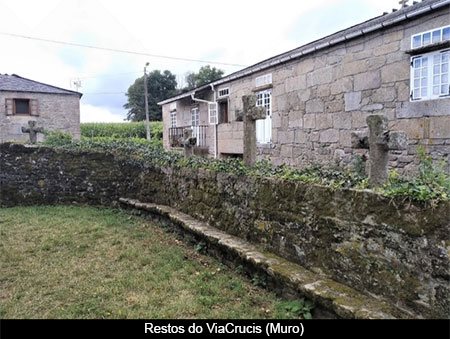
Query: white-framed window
{"points": [[263, 80], [173, 119], [195, 117], [430, 75], [212, 113], [173, 106], [264, 127], [430, 37], [224, 92]]}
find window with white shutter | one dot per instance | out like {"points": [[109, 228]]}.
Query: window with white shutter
{"points": [[212, 112], [264, 127]]}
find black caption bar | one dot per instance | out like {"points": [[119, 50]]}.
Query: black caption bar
{"points": [[225, 328]]}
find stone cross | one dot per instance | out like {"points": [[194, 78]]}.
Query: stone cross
{"points": [[249, 115], [379, 142], [188, 142], [33, 130]]}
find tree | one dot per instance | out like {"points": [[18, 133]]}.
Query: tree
{"points": [[205, 75], [160, 86]]}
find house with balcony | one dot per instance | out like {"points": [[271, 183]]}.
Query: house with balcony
{"points": [[316, 95]]}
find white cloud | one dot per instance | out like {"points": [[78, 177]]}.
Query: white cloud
{"points": [[89, 113]]}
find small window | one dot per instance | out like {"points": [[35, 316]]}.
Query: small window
{"points": [[429, 37], [224, 92], [263, 80], [223, 112], [22, 106], [173, 106], [173, 119]]}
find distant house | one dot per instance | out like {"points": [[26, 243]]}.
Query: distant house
{"points": [[22, 100], [316, 95]]}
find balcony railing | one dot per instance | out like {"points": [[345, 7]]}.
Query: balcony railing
{"points": [[176, 135]]}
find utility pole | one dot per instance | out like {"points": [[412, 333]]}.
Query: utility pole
{"points": [[147, 120]]}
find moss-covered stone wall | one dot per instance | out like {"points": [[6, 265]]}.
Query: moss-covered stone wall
{"points": [[396, 250]]}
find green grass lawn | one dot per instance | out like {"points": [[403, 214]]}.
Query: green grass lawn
{"points": [[82, 262]]}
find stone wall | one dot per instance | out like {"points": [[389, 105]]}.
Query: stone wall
{"points": [[318, 100], [56, 112], [394, 249]]}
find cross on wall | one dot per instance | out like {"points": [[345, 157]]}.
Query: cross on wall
{"points": [[33, 131]]}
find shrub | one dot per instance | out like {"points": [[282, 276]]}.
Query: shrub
{"points": [[431, 183], [57, 138]]}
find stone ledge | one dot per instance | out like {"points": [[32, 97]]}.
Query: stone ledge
{"points": [[341, 300]]}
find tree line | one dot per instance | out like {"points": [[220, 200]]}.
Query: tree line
{"points": [[161, 86]]}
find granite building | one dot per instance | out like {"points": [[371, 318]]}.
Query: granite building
{"points": [[318, 94]]}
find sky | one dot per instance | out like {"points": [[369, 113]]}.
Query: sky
{"points": [[232, 32]]}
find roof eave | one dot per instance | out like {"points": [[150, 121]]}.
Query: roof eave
{"points": [[326, 42]]}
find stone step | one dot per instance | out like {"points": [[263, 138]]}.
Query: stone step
{"points": [[339, 299]]}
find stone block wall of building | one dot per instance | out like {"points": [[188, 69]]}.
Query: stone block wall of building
{"points": [[319, 99], [56, 112]]}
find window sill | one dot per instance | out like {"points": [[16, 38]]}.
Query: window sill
{"points": [[264, 145], [262, 88], [429, 48]]}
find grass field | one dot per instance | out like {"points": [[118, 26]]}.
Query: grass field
{"points": [[83, 262]]}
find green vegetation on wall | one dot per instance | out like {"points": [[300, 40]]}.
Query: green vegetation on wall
{"points": [[431, 184]]}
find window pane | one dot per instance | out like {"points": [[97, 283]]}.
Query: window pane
{"points": [[435, 90], [446, 33], [424, 72], [416, 63], [436, 69], [436, 59], [424, 61], [22, 106], [416, 73], [436, 36], [424, 82], [426, 39], [416, 41], [436, 80], [444, 78], [444, 68], [423, 92], [444, 89], [444, 57]]}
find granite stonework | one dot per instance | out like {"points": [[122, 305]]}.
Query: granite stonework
{"points": [[56, 112], [396, 250], [320, 98]]}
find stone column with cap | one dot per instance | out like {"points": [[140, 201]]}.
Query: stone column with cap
{"points": [[249, 115], [188, 142], [379, 141]]}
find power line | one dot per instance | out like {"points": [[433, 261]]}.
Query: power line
{"points": [[118, 50]]}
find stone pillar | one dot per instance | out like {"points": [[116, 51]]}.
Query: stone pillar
{"points": [[188, 143], [249, 115], [379, 141]]}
